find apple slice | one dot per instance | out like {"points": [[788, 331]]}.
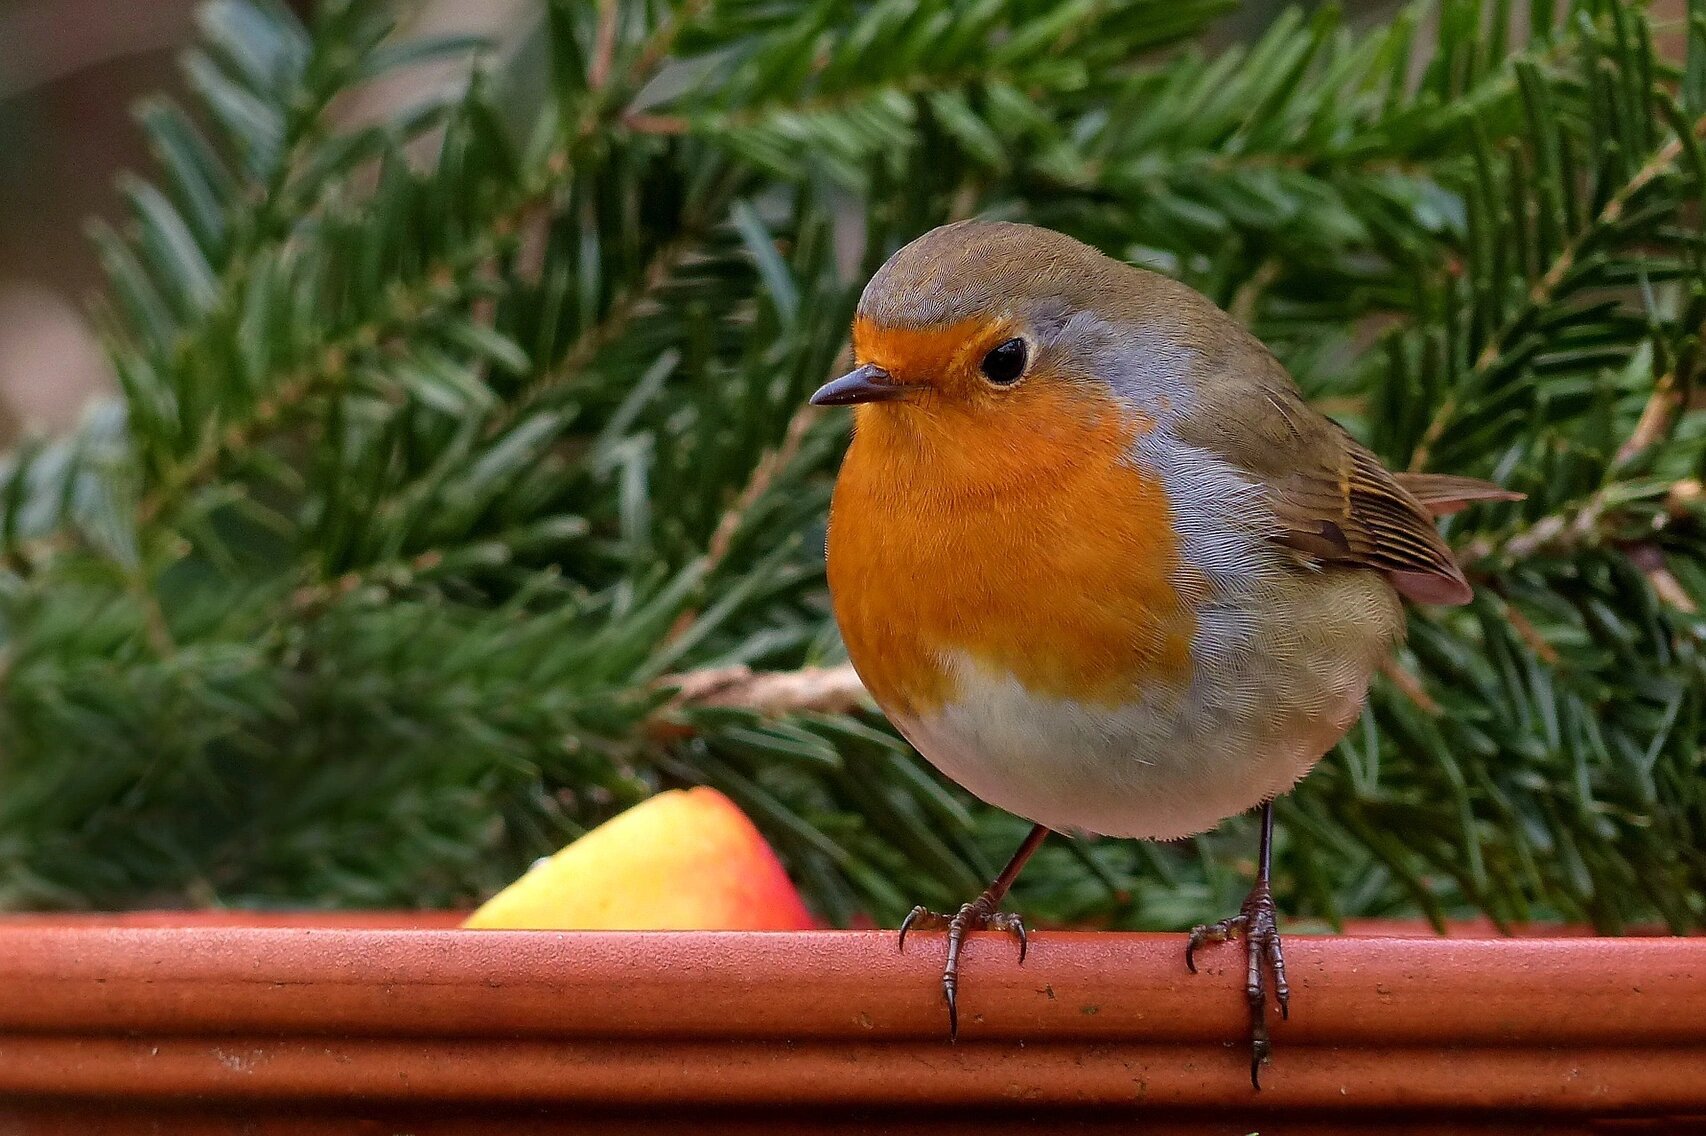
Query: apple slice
{"points": [[684, 860]]}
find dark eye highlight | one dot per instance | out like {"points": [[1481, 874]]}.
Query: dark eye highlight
{"points": [[1005, 362]]}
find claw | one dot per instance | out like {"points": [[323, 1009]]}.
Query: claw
{"points": [[906, 924], [1210, 933], [1258, 923], [974, 916]]}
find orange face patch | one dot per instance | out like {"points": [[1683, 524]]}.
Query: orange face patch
{"points": [[1014, 531], [943, 359]]}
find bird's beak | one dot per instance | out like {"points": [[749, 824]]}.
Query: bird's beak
{"points": [[869, 383]]}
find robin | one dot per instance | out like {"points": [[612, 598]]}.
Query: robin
{"points": [[1101, 564]]}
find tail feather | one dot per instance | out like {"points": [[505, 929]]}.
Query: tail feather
{"points": [[1443, 493]]}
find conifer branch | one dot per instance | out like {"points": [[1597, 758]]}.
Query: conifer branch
{"points": [[492, 414], [1545, 290]]}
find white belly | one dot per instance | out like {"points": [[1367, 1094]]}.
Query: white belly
{"points": [[1170, 763]]}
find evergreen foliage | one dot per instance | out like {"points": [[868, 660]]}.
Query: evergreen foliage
{"points": [[444, 439]]}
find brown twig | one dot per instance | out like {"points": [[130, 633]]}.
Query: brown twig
{"points": [[1649, 559], [1249, 293], [669, 124], [1684, 498], [1408, 685], [820, 690], [664, 39], [610, 327], [604, 49], [824, 690], [1656, 418], [533, 240], [1530, 634], [764, 473], [206, 458]]}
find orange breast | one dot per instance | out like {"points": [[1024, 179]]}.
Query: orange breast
{"points": [[1024, 540]]}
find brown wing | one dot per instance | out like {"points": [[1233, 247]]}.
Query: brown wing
{"points": [[1335, 502], [1363, 516]]}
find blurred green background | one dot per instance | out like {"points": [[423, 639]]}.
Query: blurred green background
{"points": [[70, 73]]}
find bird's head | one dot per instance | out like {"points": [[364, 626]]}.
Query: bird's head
{"points": [[983, 320]]}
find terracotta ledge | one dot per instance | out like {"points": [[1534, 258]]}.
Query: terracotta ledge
{"points": [[262, 1017]]}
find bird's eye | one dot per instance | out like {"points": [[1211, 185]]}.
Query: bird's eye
{"points": [[1005, 363]]}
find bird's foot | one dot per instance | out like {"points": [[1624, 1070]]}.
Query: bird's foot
{"points": [[1259, 923], [978, 915]]}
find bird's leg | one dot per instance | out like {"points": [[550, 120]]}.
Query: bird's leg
{"points": [[1259, 921], [978, 915]]}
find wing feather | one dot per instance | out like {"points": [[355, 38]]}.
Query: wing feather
{"points": [[1334, 501]]}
